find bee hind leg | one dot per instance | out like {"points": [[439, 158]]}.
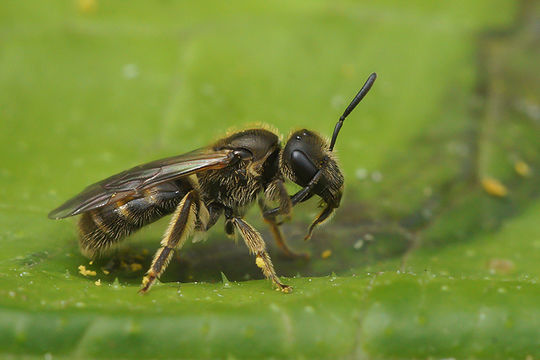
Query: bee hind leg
{"points": [[181, 226], [256, 246]]}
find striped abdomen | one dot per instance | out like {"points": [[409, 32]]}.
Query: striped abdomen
{"points": [[100, 228]]}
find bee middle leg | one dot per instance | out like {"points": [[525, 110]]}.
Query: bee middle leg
{"points": [[276, 191], [281, 243], [256, 246], [182, 225]]}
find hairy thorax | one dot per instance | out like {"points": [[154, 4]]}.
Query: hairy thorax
{"points": [[235, 188]]}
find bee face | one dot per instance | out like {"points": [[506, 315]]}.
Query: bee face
{"points": [[307, 153]]}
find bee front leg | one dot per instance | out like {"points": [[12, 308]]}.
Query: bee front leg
{"points": [[180, 228], [276, 191], [256, 246]]}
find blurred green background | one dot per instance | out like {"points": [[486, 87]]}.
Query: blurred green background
{"points": [[434, 253]]}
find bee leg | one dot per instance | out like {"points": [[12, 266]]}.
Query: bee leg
{"points": [[256, 246], [181, 226], [215, 211], [281, 243], [229, 229], [277, 191]]}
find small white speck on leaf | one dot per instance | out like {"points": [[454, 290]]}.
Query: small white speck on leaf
{"points": [[130, 71]]}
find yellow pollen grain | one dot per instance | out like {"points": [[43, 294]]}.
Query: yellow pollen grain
{"points": [[259, 261], [494, 187], [522, 168], [286, 290], [326, 254], [97, 282], [83, 271]]}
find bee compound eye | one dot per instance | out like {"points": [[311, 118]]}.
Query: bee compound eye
{"points": [[303, 167]]}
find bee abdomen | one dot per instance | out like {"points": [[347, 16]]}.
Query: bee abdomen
{"points": [[100, 228]]}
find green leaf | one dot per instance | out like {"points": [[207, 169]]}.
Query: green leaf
{"points": [[424, 259]]}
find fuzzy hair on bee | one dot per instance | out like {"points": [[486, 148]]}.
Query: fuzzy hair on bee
{"points": [[199, 187]]}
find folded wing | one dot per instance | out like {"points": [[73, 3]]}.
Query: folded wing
{"points": [[131, 183]]}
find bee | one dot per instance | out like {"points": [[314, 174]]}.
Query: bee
{"points": [[199, 187]]}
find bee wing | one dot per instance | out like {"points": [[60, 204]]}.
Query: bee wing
{"points": [[129, 183]]}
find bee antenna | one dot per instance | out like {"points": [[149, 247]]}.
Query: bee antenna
{"points": [[363, 91]]}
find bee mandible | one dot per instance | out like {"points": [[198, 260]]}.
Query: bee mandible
{"points": [[199, 187]]}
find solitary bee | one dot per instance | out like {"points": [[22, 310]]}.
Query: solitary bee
{"points": [[200, 186]]}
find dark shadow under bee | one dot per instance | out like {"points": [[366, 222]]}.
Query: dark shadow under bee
{"points": [[199, 187]]}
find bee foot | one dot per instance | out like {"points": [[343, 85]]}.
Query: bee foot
{"points": [[147, 283], [284, 288]]}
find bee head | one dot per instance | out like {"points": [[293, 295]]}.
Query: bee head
{"points": [[304, 155], [308, 160]]}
